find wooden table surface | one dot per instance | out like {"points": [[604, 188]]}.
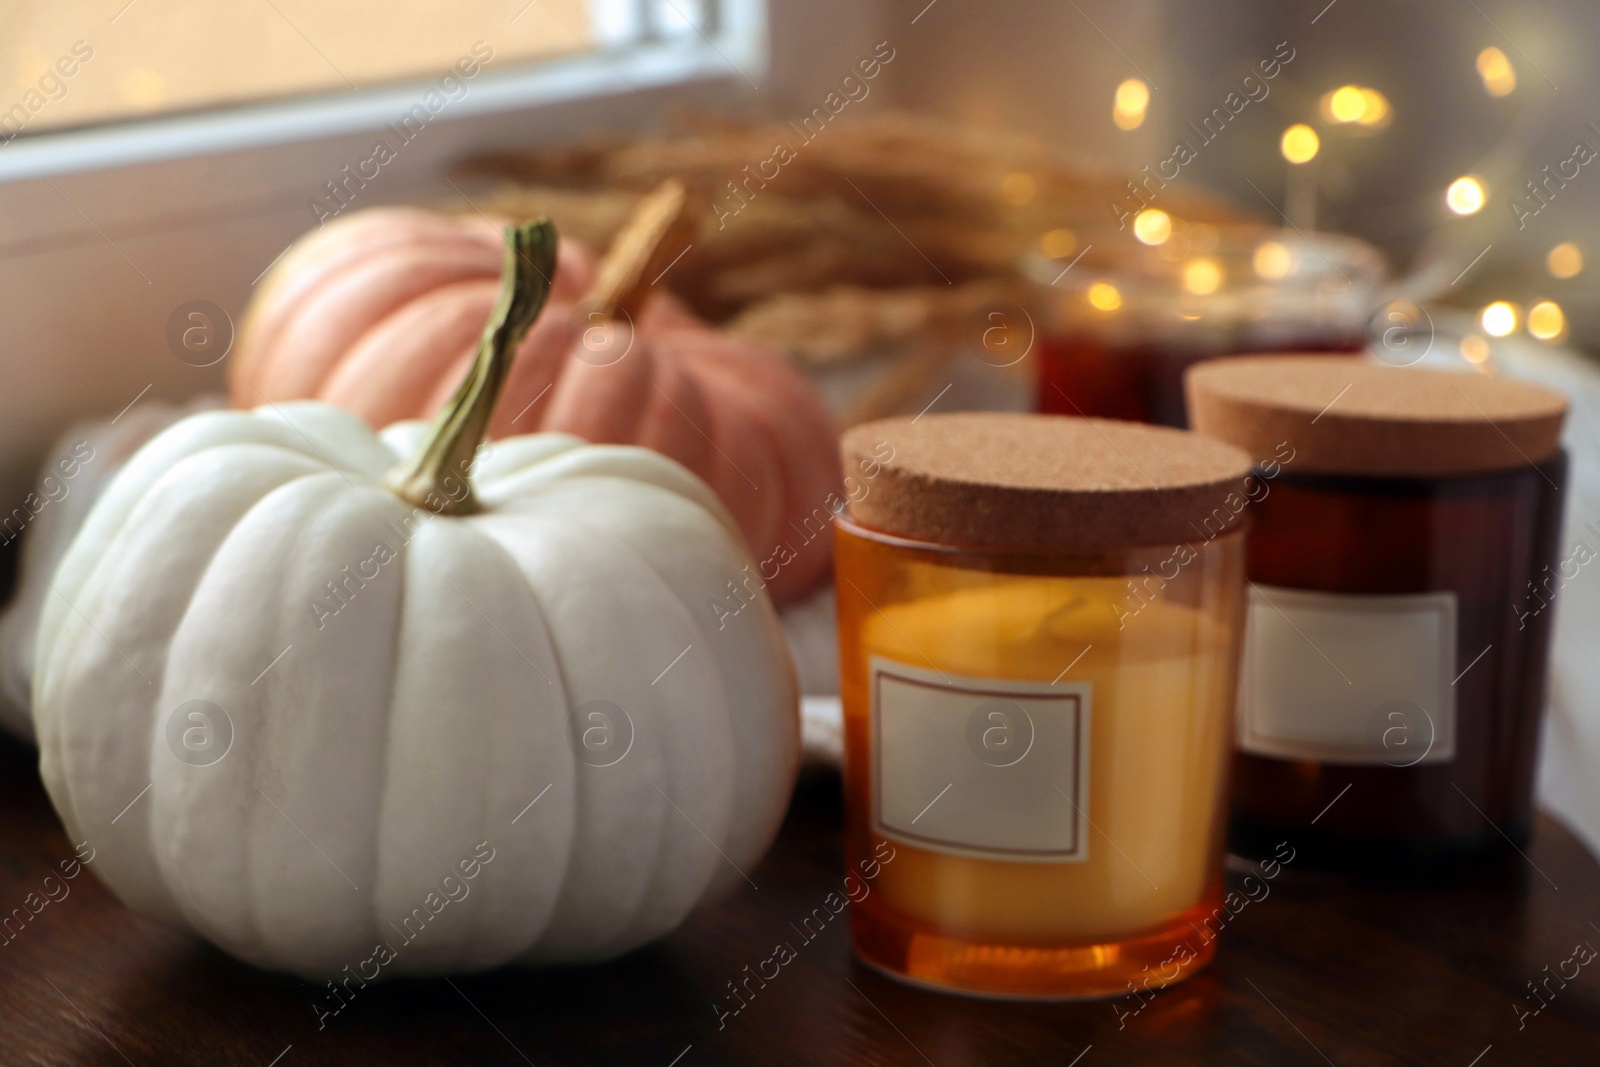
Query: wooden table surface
{"points": [[1322, 970]]}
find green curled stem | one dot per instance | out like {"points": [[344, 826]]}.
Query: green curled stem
{"points": [[438, 476]]}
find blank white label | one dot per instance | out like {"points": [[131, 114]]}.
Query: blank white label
{"points": [[1342, 678], [986, 767]]}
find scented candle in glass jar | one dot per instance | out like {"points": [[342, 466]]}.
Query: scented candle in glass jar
{"points": [[1123, 323], [1405, 534], [1038, 637]]}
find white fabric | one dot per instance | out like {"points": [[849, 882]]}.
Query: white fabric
{"points": [[1569, 786]]}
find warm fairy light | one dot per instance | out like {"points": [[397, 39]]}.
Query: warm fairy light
{"points": [[1545, 320], [1133, 95], [1152, 226], [1565, 261], [1018, 188], [1104, 296], [1376, 108], [1272, 260], [1057, 243], [1202, 276], [1499, 319], [1466, 195], [1346, 104], [1356, 103], [1499, 76], [1474, 349], [1300, 143], [1128, 108]]}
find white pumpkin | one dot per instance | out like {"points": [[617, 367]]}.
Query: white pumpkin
{"points": [[76, 471], [389, 695]]}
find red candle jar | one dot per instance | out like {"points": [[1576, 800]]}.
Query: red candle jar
{"points": [[1123, 324], [1407, 524]]}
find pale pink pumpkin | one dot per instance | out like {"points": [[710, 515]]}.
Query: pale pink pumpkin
{"points": [[380, 311]]}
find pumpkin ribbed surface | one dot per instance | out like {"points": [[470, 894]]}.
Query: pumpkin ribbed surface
{"points": [[378, 313], [403, 691]]}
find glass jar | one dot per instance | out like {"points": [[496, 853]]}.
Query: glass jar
{"points": [[1123, 324], [1399, 618], [1037, 730], [1407, 538]]}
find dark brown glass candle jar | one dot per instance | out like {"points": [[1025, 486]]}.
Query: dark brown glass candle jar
{"points": [[1407, 525]]}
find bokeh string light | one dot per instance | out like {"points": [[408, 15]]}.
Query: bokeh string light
{"points": [[1058, 243], [1358, 111], [1202, 277], [1272, 260], [1499, 319], [1103, 296], [1129, 104], [1300, 143], [1499, 76], [1547, 321], [1356, 105], [1152, 226], [1466, 195], [1565, 260]]}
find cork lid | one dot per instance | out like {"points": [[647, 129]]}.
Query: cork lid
{"points": [[1042, 482], [1346, 415]]}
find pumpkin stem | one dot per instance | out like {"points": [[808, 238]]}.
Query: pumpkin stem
{"points": [[652, 239], [438, 477]]}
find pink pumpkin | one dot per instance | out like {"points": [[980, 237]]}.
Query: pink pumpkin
{"points": [[380, 311]]}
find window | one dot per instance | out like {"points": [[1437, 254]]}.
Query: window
{"points": [[175, 152], [252, 72], [70, 68]]}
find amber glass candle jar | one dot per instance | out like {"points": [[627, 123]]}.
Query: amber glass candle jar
{"points": [[1038, 637], [1401, 566]]}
